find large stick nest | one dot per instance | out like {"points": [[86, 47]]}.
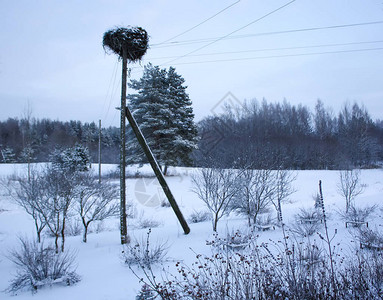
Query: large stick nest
{"points": [[134, 40]]}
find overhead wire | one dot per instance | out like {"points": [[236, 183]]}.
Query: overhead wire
{"points": [[279, 56], [199, 24], [112, 78], [275, 49], [188, 42], [229, 34]]}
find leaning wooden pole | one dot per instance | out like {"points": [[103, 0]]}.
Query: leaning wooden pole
{"points": [[156, 170], [123, 225]]}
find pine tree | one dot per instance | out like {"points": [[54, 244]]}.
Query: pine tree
{"points": [[72, 159], [163, 111]]}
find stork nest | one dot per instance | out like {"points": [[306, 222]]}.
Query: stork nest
{"points": [[134, 40]]}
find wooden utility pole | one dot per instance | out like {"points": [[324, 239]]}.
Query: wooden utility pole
{"points": [[123, 225], [157, 170], [99, 152]]}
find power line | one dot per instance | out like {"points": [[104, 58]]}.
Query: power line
{"points": [[196, 41], [112, 79], [199, 24], [280, 56], [229, 34], [276, 49]]}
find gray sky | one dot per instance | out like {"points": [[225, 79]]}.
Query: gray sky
{"points": [[51, 53]]}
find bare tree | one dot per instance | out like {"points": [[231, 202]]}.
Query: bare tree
{"points": [[96, 201], [217, 188], [349, 186], [257, 189], [27, 192]]}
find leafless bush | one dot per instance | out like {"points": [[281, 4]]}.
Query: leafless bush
{"points": [[275, 270], [235, 240], [74, 227], [198, 216], [308, 215], [371, 238], [272, 271], [358, 215], [265, 220], [304, 229], [307, 222], [144, 222], [145, 253], [38, 266]]}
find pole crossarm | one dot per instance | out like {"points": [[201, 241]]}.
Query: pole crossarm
{"points": [[156, 169]]}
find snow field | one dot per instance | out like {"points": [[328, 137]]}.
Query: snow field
{"points": [[103, 273]]}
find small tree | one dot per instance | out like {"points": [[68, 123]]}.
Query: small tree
{"points": [[73, 159], [58, 192], [217, 188], [163, 110], [283, 189], [95, 201], [349, 186], [257, 189], [27, 192]]}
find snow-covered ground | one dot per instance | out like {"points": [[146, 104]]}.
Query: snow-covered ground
{"points": [[104, 276]]}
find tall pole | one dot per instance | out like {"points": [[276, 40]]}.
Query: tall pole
{"points": [[99, 152], [123, 226]]}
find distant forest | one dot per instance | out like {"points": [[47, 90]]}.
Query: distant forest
{"points": [[266, 135], [255, 134]]}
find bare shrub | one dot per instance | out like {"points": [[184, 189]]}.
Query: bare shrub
{"points": [[145, 253], [38, 266], [265, 220], [370, 238], [358, 215], [272, 271], [74, 227], [307, 222], [304, 229], [198, 216], [144, 222], [275, 270]]}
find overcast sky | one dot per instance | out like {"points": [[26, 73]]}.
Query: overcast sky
{"points": [[51, 53]]}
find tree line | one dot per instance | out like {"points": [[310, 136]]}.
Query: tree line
{"points": [[34, 140], [280, 135], [260, 134]]}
